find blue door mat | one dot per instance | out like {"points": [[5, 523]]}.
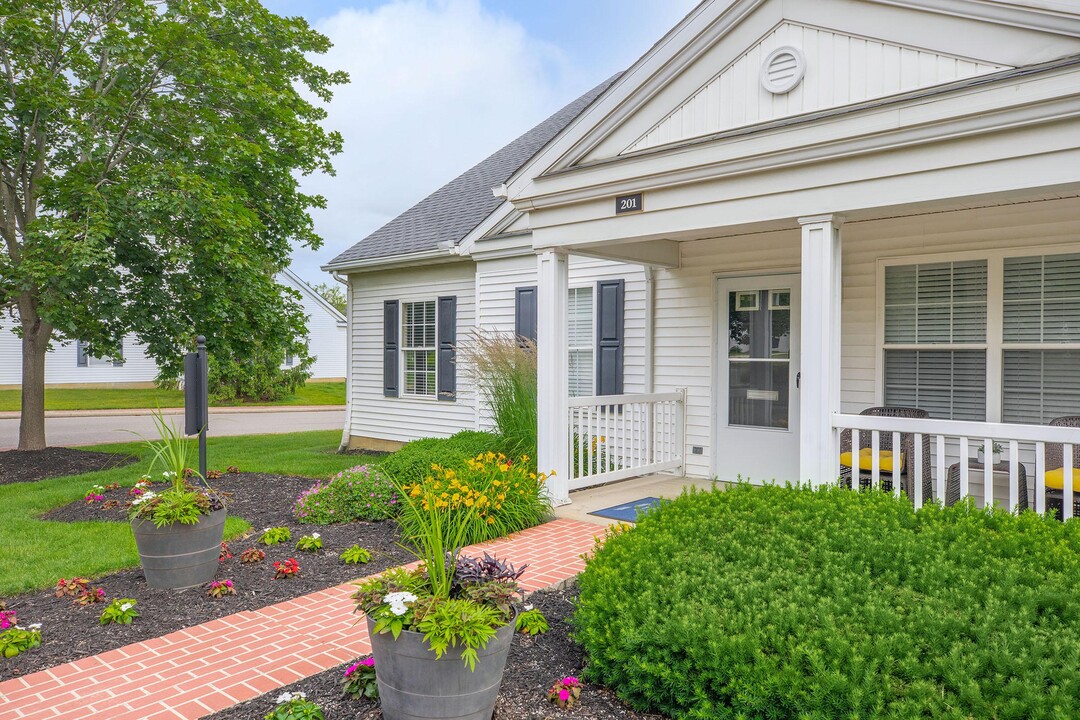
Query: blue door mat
{"points": [[628, 512]]}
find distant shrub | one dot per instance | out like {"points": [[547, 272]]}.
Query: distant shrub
{"points": [[784, 602], [359, 493], [413, 462]]}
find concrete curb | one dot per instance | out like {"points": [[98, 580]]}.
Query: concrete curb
{"points": [[121, 412]]}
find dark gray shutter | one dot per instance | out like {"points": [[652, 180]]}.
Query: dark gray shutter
{"points": [[610, 335], [80, 354], [525, 312], [446, 338], [391, 330]]}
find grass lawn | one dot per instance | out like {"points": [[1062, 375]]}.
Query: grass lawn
{"points": [[328, 393], [37, 553]]}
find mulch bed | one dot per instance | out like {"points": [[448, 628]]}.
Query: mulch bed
{"points": [[32, 465], [70, 632], [534, 664]]}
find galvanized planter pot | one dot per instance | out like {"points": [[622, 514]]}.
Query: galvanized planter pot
{"points": [[180, 556], [413, 685]]}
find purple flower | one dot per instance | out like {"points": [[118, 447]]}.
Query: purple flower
{"points": [[367, 662], [351, 669], [564, 694]]}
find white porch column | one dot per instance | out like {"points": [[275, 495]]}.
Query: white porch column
{"points": [[819, 396], [553, 427]]}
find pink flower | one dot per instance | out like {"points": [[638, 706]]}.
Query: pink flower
{"points": [[351, 669], [564, 694], [368, 662], [570, 680]]}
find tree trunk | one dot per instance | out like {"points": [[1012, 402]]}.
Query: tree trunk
{"points": [[35, 341]]}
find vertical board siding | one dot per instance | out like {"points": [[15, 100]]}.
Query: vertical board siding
{"points": [[841, 69], [404, 418]]}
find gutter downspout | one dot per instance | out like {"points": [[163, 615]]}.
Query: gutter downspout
{"points": [[346, 433]]}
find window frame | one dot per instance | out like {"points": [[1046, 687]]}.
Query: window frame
{"points": [[404, 349], [591, 349], [995, 346]]}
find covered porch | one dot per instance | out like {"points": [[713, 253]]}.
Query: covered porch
{"points": [[766, 344]]}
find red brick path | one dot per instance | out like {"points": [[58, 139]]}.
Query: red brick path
{"points": [[199, 670]]}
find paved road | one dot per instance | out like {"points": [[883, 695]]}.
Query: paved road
{"points": [[118, 428]]}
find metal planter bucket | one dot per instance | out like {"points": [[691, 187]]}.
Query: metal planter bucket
{"points": [[413, 685], [180, 556]]}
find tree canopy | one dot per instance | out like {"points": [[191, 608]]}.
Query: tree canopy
{"points": [[150, 161]]}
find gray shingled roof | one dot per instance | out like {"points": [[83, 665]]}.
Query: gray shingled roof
{"points": [[451, 212]]}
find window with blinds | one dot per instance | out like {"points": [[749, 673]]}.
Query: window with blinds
{"points": [[941, 306], [581, 341], [1041, 306]]}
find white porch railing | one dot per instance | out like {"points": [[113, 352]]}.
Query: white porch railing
{"points": [[614, 437], [1022, 468]]}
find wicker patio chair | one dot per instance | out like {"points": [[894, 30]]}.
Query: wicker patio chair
{"points": [[885, 439], [1055, 460]]}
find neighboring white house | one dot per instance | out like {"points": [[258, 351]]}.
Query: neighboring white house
{"points": [[786, 213], [68, 364]]}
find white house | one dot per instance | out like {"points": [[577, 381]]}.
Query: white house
{"points": [[785, 214], [68, 364]]}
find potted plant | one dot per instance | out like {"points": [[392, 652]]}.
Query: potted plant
{"points": [[178, 531], [996, 456], [440, 633]]}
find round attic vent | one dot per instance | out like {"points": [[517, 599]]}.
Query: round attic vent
{"points": [[782, 70]]}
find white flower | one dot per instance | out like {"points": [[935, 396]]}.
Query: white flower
{"points": [[125, 607], [397, 600], [528, 607], [148, 495], [266, 530], [284, 697], [35, 626], [315, 535]]}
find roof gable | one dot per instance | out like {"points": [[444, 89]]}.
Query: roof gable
{"points": [[718, 33], [829, 68]]}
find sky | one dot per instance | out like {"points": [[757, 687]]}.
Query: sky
{"points": [[438, 85]]}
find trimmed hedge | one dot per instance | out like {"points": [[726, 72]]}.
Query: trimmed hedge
{"points": [[412, 463], [794, 603]]}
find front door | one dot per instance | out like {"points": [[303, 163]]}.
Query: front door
{"points": [[757, 416]]}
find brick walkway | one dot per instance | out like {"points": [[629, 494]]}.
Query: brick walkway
{"points": [[199, 670]]}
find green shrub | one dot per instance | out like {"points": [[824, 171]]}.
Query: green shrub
{"points": [[503, 367], [413, 462], [488, 497], [793, 603], [359, 493]]}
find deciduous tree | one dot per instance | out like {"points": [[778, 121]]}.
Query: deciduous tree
{"points": [[150, 157]]}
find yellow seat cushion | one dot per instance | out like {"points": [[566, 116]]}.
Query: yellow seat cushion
{"points": [[1056, 479], [885, 461]]}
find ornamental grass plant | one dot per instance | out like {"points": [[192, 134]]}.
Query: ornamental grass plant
{"points": [[504, 369], [799, 603]]}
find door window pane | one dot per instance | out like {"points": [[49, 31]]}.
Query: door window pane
{"points": [[759, 351]]}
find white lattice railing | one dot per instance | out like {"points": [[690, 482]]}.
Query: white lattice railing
{"points": [[937, 446], [614, 437]]}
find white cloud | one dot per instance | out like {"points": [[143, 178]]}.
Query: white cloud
{"points": [[435, 87]]}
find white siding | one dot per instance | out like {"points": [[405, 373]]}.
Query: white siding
{"points": [[496, 281], [841, 69], [326, 332], [686, 323], [404, 418], [61, 363], [686, 304], [327, 344]]}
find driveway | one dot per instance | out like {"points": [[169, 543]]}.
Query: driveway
{"points": [[68, 429]]}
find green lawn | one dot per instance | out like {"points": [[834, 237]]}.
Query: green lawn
{"points": [[37, 553], [328, 393]]}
